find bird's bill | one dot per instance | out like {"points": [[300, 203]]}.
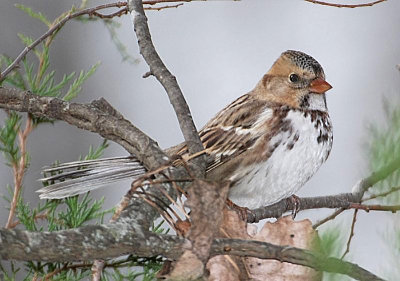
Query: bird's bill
{"points": [[319, 86]]}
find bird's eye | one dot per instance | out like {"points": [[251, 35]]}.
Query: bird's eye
{"points": [[294, 78]]}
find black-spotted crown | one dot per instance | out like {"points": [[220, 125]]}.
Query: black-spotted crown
{"points": [[305, 62]]}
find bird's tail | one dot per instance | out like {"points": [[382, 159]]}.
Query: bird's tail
{"points": [[78, 177]]}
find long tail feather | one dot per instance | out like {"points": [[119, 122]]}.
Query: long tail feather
{"points": [[78, 177]]}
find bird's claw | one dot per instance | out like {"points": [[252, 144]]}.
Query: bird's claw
{"points": [[295, 200]]}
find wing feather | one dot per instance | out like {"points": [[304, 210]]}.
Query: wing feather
{"points": [[233, 130]]}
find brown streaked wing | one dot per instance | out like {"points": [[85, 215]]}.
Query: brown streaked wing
{"points": [[220, 136]]}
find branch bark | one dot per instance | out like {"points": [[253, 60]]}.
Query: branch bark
{"points": [[98, 117], [90, 242], [168, 81]]}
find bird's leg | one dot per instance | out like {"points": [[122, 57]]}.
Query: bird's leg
{"points": [[241, 211], [295, 200]]}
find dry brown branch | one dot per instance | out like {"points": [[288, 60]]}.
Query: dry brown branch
{"points": [[162, 8], [119, 13], [154, 2], [351, 235], [328, 218], [345, 5], [367, 208], [19, 169]]}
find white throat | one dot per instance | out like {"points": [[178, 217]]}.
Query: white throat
{"points": [[317, 102]]}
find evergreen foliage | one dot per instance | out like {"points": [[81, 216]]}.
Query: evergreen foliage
{"points": [[36, 76]]}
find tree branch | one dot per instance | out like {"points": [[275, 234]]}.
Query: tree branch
{"points": [[90, 242], [345, 5], [98, 117], [168, 81]]}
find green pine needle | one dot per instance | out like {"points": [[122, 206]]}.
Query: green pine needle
{"points": [[33, 14], [383, 147], [8, 137], [76, 86]]}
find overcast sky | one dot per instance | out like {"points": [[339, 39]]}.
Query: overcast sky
{"points": [[218, 51]]}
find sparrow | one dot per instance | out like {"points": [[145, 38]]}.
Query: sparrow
{"points": [[267, 143]]}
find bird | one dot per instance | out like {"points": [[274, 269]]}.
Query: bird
{"points": [[267, 143]]}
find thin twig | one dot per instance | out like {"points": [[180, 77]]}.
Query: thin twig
{"points": [[162, 8], [351, 235], [119, 13], [367, 208], [49, 276], [19, 169], [345, 5], [53, 29], [154, 2], [328, 218]]}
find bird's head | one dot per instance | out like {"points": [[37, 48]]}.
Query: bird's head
{"points": [[295, 79]]}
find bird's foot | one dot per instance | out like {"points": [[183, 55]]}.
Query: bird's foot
{"points": [[295, 200], [241, 211]]}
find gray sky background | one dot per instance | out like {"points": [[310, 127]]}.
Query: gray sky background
{"points": [[218, 50]]}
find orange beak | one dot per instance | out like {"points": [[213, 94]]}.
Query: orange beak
{"points": [[319, 86]]}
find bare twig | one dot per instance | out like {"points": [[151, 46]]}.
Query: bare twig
{"points": [[119, 13], [367, 208], [154, 2], [19, 169], [328, 218], [345, 5], [162, 8], [53, 29], [168, 81], [351, 235]]}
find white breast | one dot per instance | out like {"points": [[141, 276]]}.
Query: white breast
{"points": [[298, 155]]}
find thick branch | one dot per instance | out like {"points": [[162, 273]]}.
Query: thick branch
{"points": [[86, 243], [98, 117], [167, 80], [90, 242]]}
